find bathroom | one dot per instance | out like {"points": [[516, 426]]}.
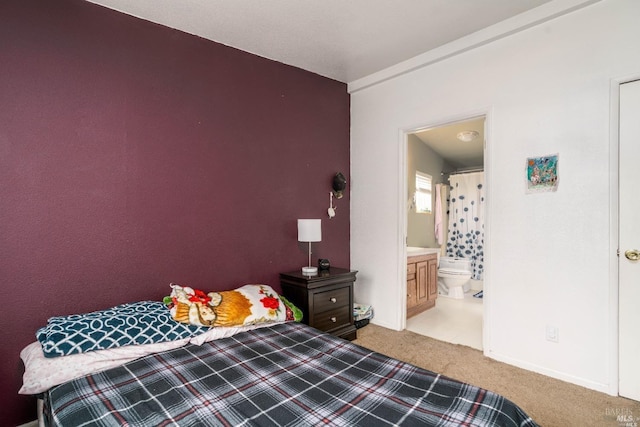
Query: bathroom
{"points": [[438, 158]]}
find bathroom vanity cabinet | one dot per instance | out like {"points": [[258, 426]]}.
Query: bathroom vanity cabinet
{"points": [[422, 283]]}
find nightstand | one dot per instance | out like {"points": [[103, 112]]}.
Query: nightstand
{"points": [[326, 299]]}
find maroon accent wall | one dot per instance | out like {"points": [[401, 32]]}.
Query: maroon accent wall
{"points": [[133, 155]]}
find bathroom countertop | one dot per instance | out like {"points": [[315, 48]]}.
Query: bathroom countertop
{"points": [[415, 251]]}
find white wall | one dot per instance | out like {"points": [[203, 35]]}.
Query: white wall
{"points": [[546, 90]]}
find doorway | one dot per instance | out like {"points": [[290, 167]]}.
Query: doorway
{"points": [[442, 153]]}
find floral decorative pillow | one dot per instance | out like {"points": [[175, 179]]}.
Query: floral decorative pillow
{"points": [[247, 305], [293, 312]]}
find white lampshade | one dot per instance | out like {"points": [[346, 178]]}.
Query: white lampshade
{"points": [[309, 230]]}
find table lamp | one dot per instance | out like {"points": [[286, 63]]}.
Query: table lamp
{"points": [[309, 230]]}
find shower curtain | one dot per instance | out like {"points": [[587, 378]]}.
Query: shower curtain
{"points": [[466, 220]]}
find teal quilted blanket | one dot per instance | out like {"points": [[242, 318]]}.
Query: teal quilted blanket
{"points": [[144, 322]]}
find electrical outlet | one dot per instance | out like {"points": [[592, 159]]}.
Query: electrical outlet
{"points": [[552, 333]]}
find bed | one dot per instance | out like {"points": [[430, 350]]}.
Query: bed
{"points": [[281, 373]]}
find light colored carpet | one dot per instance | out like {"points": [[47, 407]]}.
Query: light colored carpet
{"points": [[548, 401]]}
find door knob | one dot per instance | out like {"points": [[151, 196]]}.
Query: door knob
{"points": [[632, 254]]}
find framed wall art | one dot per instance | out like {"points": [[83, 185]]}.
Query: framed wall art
{"points": [[542, 174]]}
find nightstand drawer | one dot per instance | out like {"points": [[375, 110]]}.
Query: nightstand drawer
{"points": [[332, 319], [331, 300]]}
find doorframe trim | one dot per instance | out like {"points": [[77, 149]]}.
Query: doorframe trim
{"points": [[614, 240], [403, 139], [614, 116]]}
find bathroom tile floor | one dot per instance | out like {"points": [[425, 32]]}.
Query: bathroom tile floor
{"points": [[458, 321]]}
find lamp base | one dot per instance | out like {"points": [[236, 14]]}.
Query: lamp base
{"points": [[310, 271]]}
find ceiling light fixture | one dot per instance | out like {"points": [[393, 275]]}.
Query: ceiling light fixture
{"points": [[467, 135]]}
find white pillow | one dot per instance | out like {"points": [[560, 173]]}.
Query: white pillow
{"points": [[41, 373]]}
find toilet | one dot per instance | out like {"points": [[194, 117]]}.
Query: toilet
{"points": [[453, 276]]}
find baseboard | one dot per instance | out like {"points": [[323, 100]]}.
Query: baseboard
{"points": [[374, 321], [582, 382]]}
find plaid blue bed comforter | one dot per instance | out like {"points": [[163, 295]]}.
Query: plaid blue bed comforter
{"points": [[284, 375]]}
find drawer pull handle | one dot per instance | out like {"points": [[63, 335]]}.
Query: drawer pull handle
{"points": [[333, 300], [334, 320]]}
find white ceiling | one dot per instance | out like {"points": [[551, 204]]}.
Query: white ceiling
{"points": [[458, 154], [344, 40]]}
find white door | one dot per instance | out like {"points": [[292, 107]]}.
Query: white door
{"points": [[629, 240]]}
